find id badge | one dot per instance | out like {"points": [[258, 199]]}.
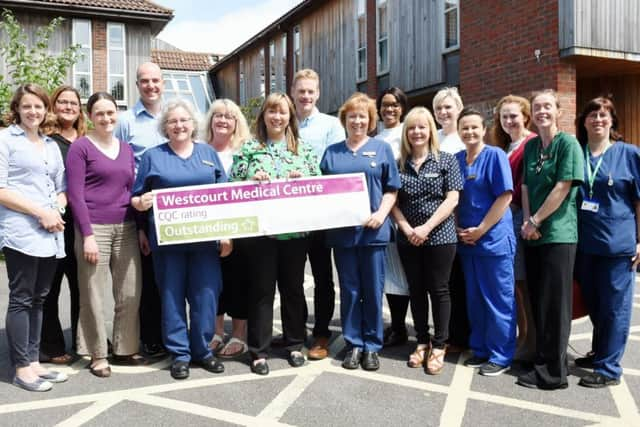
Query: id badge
{"points": [[431, 175], [590, 205]]}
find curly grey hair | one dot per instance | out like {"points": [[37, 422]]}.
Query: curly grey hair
{"points": [[168, 109]]}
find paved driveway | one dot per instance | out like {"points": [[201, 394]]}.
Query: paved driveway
{"points": [[320, 393]]}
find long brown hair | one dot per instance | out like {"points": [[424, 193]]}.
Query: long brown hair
{"points": [[292, 135], [499, 137], [80, 125]]}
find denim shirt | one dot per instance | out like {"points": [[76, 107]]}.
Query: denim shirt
{"points": [[139, 128], [37, 176]]}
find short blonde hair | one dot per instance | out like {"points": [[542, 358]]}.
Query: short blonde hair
{"points": [[241, 131], [306, 73], [359, 100], [448, 92], [172, 105], [405, 147]]}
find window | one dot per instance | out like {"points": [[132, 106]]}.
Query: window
{"points": [[192, 87], [263, 74], [297, 60], [272, 66], [382, 31], [243, 93], [81, 34], [284, 62], [116, 61], [361, 41], [451, 25]]}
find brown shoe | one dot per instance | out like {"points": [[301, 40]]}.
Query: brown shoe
{"points": [[320, 349]]}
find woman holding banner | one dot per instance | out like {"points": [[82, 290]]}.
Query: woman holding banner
{"points": [[276, 153], [190, 271], [360, 251]]}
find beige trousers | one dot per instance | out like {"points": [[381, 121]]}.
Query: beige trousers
{"points": [[118, 263]]}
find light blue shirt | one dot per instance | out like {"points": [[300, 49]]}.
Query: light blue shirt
{"points": [[139, 128], [37, 175], [320, 131]]}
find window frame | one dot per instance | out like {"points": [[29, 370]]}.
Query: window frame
{"points": [[297, 49], [379, 39], [361, 46], [170, 76], [89, 58], [446, 10], [124, 62]]}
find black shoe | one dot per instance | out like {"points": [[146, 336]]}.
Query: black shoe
{"points": [[352, 358], [260, 368], [370, 361], [393, 338], [154, 350], [595, 380], [475, 361], [491, 369], [180, 370], [296, 359], [530, 380], [211, 364], [585, 362]]}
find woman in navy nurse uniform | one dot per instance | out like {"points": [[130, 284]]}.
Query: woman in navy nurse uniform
{"points": [[487, 247], [360, 251], [608, 248], [186, 272]]}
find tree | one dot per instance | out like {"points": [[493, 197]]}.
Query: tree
{"points": [[33, 63], [250, 109]]}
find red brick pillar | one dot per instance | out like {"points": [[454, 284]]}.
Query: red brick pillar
{"points": [[99, 49]]}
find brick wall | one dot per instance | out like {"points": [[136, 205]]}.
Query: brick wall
{"points": [[498, 40], [99, 64]]}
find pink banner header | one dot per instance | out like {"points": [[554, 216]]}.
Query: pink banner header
{"points": [[252, 192]]}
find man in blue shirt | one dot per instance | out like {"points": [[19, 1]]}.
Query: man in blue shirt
{"points": [[139, 127], [320, 130]]}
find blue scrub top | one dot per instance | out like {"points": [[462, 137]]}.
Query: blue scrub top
{"points": [[161, 168], [375, 159], [488, 177], [612, 230]]}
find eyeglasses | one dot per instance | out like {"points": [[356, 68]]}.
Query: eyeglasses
{"points": [[226, 116], [174, 122], [67, 103], [391, 105], [598, 115], [540, 163]]}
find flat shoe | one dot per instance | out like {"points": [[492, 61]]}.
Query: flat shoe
{"points": [[242, 349], [37, 385], [55, 377], [260, 368], [319, 349], [296, 359], [212, 365], [130, 360], [595, 380], [180, 370], [65, 359], [100, 372], [370, 361], [352, 358]]}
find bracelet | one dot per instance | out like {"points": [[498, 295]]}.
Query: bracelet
{"points": [[533, 222]]}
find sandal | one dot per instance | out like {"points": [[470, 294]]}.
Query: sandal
{"points": [[435, 361], [216, 343], [416, 359], [225, 352], [101, 368]]}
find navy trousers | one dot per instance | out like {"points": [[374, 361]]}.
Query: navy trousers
{"points": [[607, 285], [361, 275]]}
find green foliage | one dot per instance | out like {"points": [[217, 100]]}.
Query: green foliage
{"points": [[251, 109], [31, 63]]}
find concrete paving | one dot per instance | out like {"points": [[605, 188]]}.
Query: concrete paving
{"points": [[320, 393]]}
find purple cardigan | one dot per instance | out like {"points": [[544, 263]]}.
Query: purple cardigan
{"points": [[99, 188]]}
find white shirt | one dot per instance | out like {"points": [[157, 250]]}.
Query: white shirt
{"points": [[450, 143]]}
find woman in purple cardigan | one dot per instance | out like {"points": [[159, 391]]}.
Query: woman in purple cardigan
{"points": [[100, 175]]}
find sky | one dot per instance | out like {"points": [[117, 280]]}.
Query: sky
{"points": [[219, 26]]}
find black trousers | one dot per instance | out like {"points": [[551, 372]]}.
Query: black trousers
{"points": [[324, 293], [52, 342], [550, 280], [235, 282], [428, 269], [29, 281], [282, 262], [150, 305], [459, 330]]}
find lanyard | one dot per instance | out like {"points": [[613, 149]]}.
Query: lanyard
{"points": [[591, 177]]}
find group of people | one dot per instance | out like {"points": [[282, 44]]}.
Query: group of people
{"points": [[485, 228]]}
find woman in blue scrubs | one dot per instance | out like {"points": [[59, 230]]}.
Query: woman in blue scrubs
{"points": [[360, 251], [608, 211], [487, 247], [186, 272]]}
